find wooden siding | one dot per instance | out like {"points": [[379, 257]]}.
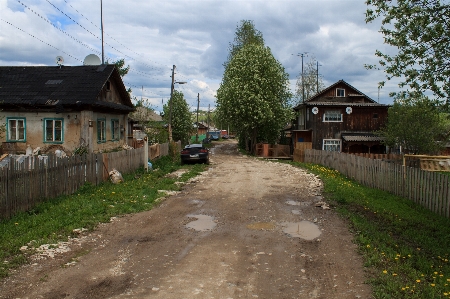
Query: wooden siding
{"points": [[429, 189], [34, 180]]}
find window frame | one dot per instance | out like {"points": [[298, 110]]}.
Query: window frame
{"points": [[338, 92], [101, 130], [336, 112], [115, 135], [8, 126], [337, 143], [53, 122]]}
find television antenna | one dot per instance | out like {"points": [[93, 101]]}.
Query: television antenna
{"points": [[59, 60], [92, 59]]}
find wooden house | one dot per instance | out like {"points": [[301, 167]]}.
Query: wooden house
{"points": [[63, 107], [339, 118]]}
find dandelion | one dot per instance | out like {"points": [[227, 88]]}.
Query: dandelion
{"points": [[417, 280], [384, 271], [394, 274], [432, 284], [368, 246], [16, 223]]}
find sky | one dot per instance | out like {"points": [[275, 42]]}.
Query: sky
{"points": [[194, 35]]}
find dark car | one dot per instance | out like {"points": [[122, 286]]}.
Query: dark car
{"points": [[194, 153]]}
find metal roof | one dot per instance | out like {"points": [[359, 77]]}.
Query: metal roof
{"points": [[60, 87]]}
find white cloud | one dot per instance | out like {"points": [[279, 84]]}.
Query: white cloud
{"points": [[193, 35]]}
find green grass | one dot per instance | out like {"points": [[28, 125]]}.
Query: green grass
{"points": [[406, 248], [55, 219]]}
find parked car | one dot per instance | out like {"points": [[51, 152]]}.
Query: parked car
{"points": [[194, 153]]}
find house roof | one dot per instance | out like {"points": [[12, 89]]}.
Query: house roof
{"points": [[321, 98], [60, 87]]}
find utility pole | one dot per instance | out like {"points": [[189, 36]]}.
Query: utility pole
{"points": [[103, 45], [198, 107], [303, 79], [207, 135], [317, 78], [170, 106]]}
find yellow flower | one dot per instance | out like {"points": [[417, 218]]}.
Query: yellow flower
{"points": [[394, 274], [384, 271], [432, 284], [417, 280]]}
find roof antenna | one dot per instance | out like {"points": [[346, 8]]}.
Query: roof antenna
{"points": [[59, 61]]}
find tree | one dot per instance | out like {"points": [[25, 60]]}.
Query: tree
{"points": [[416, 124], [245, 34], [120, 64], [182, 127], [310, 81], [420, 30], [253, 96]]}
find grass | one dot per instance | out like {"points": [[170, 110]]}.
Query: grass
{"points": [[406, 248], [55, 219]]}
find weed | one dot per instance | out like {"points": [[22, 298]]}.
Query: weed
{"points": [[55, 219], [405, 246]]}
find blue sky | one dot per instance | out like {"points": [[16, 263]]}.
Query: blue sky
{"points": [[194, 35]]}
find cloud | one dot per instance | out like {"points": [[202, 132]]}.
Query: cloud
{"points": [[152, 36]]}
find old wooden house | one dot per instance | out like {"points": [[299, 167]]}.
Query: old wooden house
{"points": [[339, 118], [63, 107]]}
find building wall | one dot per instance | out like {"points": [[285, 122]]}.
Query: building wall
{"points": [[362, 119], [75, 129]]}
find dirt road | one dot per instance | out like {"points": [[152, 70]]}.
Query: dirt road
{"points": [[246, 228]]}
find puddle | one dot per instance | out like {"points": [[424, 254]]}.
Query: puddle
{"points": [[303, 229], [261, 225], [203, 223], [298, 203], [296, 212]]}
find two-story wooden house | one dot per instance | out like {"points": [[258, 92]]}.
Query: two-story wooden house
{"points": [[339, 118]]}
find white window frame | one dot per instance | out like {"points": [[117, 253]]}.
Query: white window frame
{"points": [[333, 145], [115, 129], [14, 131], [332, 116], [53, 129], [101, 130], [338, 90]]}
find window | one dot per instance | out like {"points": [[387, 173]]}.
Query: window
{"points": [[108, 85], [53, 130], [115, 130], [375, 115], [332, 145], [340, 92], [101, 130], [332, 116], [16, 129]]}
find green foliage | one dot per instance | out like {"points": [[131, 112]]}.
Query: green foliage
{"points": [[310, 82], [420, 31], [55, 219], [245, 34], [406, 248], [182, 127], [415, 123], [253, 97], [120, 64]]}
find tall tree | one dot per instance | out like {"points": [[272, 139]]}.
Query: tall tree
{"points": [[123, 70], [420, 31], [416, 124], [182, 126], [245, 34], [311, 82], [253, 96]]}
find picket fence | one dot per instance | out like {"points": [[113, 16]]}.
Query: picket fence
{"points": [[30, 180], [429, 189]]}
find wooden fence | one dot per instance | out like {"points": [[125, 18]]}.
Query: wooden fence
{"points": [[29, 180], [429, 189]]}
